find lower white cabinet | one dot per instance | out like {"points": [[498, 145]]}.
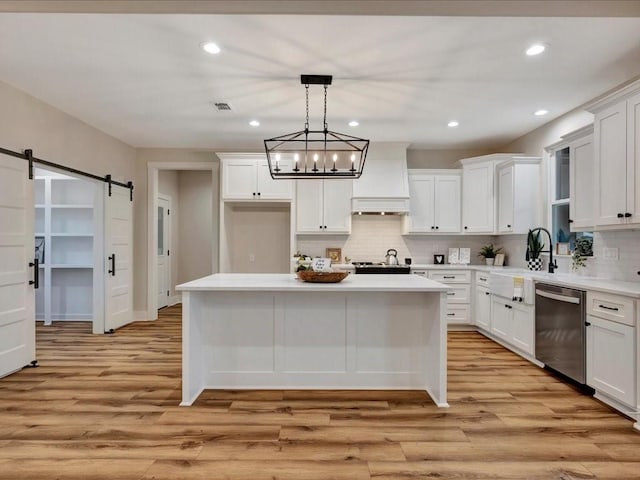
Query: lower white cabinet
{"points": [[482, 308], [514, 323], [611, 362], [459, 295]]}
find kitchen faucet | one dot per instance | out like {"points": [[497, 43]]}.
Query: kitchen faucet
{"points": [[552, 264]]}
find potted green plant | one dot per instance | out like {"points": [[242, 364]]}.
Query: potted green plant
{"points": [[534, 248], [489, 253], [582, 250]]}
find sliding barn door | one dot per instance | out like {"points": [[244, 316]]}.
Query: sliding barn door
{"points": [[118, 244], [17, 295]]}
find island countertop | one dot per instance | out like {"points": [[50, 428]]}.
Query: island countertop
{"points": [[276, 282]]}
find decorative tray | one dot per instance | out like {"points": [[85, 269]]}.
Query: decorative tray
{"points": [[321, 277]]}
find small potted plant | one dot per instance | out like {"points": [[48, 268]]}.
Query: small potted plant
{"points": [[583, 250], [489, 253], [534, 248]]}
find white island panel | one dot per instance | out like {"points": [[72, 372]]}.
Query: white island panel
{"points": [[385, 333]]}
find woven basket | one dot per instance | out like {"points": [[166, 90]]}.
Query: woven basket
{"points": [[322, 277]]}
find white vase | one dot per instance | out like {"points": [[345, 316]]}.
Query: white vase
{"points": [[490, 261]]}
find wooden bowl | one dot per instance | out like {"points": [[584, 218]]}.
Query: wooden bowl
{"points": [[321, 277]]}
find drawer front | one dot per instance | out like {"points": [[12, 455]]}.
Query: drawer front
{"points": [[458, 314], [611, 307], [459, 294], [451, 276], [482, 279]]}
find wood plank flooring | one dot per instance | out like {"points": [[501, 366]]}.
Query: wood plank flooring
{"points": [[106, 407]]}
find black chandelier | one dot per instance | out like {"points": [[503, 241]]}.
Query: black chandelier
{"points": [[316, 153]]}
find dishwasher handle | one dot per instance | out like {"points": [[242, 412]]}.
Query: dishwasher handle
{"points": [[555, 296]]}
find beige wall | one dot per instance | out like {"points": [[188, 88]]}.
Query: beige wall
{"points": [[197, 245], [442, 158]]}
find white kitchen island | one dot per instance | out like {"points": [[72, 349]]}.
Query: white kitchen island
{"points": [[272, 331]]}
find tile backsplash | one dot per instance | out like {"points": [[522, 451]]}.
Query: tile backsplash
{"points": [[372, 235]]}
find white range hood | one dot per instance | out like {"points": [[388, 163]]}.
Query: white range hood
{"points": [[384, 184]]}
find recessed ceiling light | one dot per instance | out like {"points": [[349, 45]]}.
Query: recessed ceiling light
{"points": [[254, 123], [354, 123], [210, 47], [453, 123], [540, 112], [535, 49]]}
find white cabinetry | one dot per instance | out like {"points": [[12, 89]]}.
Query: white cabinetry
{"points": [[459, 295], [518, 195], [478, 203], [65, 231], [323, 206], [617, 158], [513, 323], [482, 308], [611, 347], [581, 183], [247, 177], [434, 202]]}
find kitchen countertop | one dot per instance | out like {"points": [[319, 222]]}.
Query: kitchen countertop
{"points": [[268, 282], [619, 287]]}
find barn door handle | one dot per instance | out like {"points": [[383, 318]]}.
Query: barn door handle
{"points": [[36, 273], [112, 258]]}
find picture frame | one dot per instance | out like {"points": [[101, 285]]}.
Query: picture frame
{"points": [[454, 256], [563, 248], [438, 259], [335, 254], [465, 256], [499, 260]]}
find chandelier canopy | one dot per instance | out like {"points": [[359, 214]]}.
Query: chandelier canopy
{"points": [[316, 153]]}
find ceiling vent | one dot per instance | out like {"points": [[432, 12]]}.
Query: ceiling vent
{"points": [[222, 106]]}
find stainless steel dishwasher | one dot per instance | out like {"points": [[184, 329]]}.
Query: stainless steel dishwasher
{"points": [[560, 330]]}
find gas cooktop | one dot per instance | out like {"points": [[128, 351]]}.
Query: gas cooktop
{"points": [[380, 268]]}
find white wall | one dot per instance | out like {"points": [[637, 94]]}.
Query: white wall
{"points": [[196, 244]]}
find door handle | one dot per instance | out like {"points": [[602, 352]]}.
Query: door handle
{"points": [[112, 259], [36, 273]]}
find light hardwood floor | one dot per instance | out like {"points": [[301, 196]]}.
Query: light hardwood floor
{"points": [[105, 407]]}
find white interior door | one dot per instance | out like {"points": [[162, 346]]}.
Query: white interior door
{"points": [[164, 250], [17, 296], [118, 244]]}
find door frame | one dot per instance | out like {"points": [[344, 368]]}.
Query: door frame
{"points": [[168, 232], [152, 220]]}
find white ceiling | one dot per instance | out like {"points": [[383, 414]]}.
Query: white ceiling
{"points": [[144, 79]]}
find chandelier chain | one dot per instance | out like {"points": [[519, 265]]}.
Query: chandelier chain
{"points": [[306, 124], [326, 126]]}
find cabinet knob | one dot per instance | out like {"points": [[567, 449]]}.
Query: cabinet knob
{"points": [[620, 215], [437, 228], [627, 215], [258, 193], [466, 227], [325, 227], [508, 226], [587, 324], [254, 194], [570, 221], [432, 227], [320, 227]]}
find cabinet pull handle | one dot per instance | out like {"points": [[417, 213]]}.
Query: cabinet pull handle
{"points": [[112, 258], [36, 273], [451, 314], [587, 324], [570, 221], [627, 215], [449, 276], [620, 215], [614, 309], [450, 294]]}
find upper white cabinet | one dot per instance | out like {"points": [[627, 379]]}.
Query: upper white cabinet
{"points": [[434, 202], [247, 177], [478, 203], [518, 195], [323, 206], [617, 158], [581, 183]]}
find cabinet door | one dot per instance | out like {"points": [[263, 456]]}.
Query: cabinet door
{"points": [[633, 158], [270, 189], [239, 179], [523, 329], [610, 149], [581, 184], [337, 205], [421, 194], [447, 203], [478, 202], [611, 359], [501, 319], [309, 206], [482, 308], [505, 200]]}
